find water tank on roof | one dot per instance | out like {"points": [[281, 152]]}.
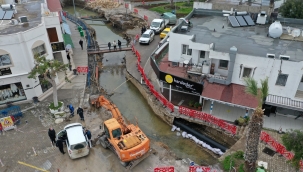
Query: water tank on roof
{"points": [[275, 29], [8, 7]]}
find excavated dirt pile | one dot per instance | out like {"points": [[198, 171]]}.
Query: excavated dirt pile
{"points": [[125, 22]]}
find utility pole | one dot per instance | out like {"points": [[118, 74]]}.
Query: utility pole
{"points": [[74, 8]]}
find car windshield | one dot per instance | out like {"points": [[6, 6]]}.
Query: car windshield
{"points": [[145, 36], [155, 24], [165, 31]]}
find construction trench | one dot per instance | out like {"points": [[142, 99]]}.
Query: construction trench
{"points": [[112, 69]]}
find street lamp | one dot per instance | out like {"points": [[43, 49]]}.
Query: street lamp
{"points": [[74, 8]]}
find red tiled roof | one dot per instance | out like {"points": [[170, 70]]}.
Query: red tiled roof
{"points": [[54, 5], [232, 93]]}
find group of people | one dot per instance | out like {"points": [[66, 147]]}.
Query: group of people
{"points": [[114, 45], [79, 111], [59, 142]]}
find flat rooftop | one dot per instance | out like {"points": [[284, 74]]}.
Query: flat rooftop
{"points": [[31, 9], [250, 40]]}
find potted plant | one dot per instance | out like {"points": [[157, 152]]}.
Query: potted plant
{"points": [[48, 69], [196, 105], [191, 103], [200, 106]]}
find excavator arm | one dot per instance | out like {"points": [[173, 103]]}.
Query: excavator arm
{"points": [[102, 101]]}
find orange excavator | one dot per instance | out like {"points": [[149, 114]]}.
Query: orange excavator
{"points": [[126, 140]]}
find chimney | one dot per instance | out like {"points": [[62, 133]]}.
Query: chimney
{"points": [[232, 56]]}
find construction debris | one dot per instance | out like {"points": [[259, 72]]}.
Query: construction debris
{"points": [[103, 4]]}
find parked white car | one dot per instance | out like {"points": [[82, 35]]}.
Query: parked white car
{"points": [[75, 139], [147, 37]]}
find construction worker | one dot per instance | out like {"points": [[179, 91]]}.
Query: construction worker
{"points": [[71, 110]]}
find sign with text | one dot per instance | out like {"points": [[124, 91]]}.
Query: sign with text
{"points": [[82, 69], [58, 46], [164, 169], [7, 123], [182, 83], [126, 5]]}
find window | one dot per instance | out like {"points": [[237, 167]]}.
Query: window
{"points": [[39, 50], [186, 50], [5, 60], [246, 72], [302, 79], [202, 54], [282, 79], [223, 64]]}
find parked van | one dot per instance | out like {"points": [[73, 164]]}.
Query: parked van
{"points": [[75, 139], [170, 16]]}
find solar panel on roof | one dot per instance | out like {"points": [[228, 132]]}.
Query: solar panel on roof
{"points": [[233, 21], [8, 15], [241, 21], [249, 21], [2, 14]]}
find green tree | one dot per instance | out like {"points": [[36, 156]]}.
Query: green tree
{"points": [[256, 122], [293, 141], [292, 9], [48, 69]]}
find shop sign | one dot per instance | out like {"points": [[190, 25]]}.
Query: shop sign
{"points": [[185, 84], [5, 71], [7, 123], [58, 46]]}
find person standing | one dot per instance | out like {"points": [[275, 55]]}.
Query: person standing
{"points": [[119, 44], [81, 43], [80, 112], [109, 45], [115, 45], [142, 30], [89, 137], [59, 144], [68, 57], [52, 135], [71, 110]]}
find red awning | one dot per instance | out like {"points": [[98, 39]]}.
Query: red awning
{"points": [[232, 93], [54, 5]]}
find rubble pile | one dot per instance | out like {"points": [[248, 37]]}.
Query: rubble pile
{"points": [[126, 21], [103, 4]]}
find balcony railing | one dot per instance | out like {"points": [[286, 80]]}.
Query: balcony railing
{"points": [[216, 76]]}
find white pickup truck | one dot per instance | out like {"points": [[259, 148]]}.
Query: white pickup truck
{"points": [[157, 25]]}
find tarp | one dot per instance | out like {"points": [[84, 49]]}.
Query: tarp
{"points": [[66, 28]]}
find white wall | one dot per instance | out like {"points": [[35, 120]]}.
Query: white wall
{"points": [[175, 47], [203, 5]]}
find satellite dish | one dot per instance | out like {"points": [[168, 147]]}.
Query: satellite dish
{"points": [[275, 30], [296, 33]]}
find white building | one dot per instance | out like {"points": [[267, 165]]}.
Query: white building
{"points": [[224, 55], [33, 29]]}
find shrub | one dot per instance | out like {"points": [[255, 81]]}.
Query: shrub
{"points": [[52, 106], [236, 122], [227, 165], [196, 105], [241, 168], [239, 155], [191, 103]]}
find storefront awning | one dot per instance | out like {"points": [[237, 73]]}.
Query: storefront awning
{"points": [[284, 102], [233, 95]]}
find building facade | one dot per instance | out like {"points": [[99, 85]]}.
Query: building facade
{"points": [[40, 34]]}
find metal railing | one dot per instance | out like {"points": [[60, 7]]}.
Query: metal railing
{"points": [[79, 22], [105, 46]]}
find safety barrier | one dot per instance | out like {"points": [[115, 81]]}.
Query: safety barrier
{"points": [[136, 10], [208, 118], [279, 148], [164, 169], [145, 18], [194, 168]]}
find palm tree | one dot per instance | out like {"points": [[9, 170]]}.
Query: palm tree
{"points": [[256, 122]]}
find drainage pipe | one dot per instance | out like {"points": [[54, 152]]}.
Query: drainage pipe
{"points": [[200, 136]]}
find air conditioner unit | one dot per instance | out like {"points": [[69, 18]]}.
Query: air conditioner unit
{"points": [[282, 57], [23, 19], [270, 56]]}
